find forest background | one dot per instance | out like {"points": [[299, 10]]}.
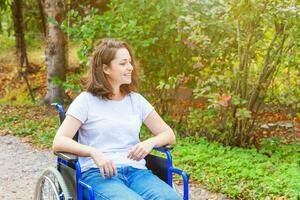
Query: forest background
{"points": [[224, 74]]}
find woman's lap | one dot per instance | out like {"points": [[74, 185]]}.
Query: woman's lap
{"points": [[131, 183], [151, 187]]}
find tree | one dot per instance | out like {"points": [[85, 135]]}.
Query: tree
{"points": [[42, 15], [55, 52], [23, 63], [239, 48]]}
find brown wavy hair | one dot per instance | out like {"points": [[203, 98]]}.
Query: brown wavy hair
{"points": [[104, 52]]}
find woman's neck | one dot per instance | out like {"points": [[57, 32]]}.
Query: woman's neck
{"points": [[117, 95]]}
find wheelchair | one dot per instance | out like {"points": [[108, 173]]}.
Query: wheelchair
{"points": [[64, 182]]}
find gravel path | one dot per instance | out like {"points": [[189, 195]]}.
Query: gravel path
{"points": [[21, 166]]}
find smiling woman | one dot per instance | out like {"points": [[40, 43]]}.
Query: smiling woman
{"points": [[109, 116], [112, 69], [120, 69]]}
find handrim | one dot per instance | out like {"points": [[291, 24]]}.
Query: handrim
{"points": [[60, 181]]}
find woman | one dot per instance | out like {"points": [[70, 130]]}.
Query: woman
{"points": [[109, 115]]}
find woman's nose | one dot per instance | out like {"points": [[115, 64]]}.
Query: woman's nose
{"points": [[130, 67]]}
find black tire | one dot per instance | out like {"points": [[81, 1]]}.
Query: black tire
{"points": [[51, 186]]}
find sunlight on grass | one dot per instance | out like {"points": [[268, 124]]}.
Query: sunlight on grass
{"points": [[36, 53]]}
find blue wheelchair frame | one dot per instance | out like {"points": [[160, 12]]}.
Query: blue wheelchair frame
{"points": [[61, 159]]}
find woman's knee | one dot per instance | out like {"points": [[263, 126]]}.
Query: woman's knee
{"points": [[171, 195], [114, 194]]}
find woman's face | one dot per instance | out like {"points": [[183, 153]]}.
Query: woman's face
{"points": [[120, 68]]}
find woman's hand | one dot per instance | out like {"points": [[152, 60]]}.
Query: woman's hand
{"points": [[141, 150], [106, 166]]}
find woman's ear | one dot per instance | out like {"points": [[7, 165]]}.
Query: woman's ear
{"points": [[106, 69]]}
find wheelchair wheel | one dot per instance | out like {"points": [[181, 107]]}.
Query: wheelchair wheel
{"points": [[51, 186]]}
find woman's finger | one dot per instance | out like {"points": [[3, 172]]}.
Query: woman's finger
{"points": [[102, 172], [111, 170], [141, 155], [137, 152], [106, 171], [115, 169], [132, 152]]}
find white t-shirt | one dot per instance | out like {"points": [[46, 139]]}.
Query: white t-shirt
{"points": [[111, 126]]}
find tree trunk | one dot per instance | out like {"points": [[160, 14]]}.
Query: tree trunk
{"points": [[55, 52], [16, 8], [42, 14], [22, 59]]}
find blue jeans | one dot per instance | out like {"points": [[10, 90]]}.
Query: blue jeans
{"points": [[131, 183]]}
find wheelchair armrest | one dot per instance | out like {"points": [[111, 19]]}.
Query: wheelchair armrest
{"points": [[90, 189], [66, 156], [164, 148], [185, 178]]}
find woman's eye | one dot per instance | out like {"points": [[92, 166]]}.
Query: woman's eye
{"points": [[125, 63]]}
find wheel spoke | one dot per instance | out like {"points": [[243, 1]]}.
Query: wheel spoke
{"points": [[51, 185]]}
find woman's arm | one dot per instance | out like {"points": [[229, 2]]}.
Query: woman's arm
{"points": [[63, 142], [164, 135]]}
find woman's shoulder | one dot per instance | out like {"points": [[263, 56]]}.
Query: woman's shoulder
{"points": [[138, 97], [88, 94], [135, 95], [85, 96]]}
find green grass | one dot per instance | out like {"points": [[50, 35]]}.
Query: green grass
{"points": [[35, 122], [241, 173], [272, 172]]}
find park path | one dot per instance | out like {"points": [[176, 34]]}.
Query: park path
{"points": [[20, 168], [21, 165]]}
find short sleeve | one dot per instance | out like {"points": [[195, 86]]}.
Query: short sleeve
{"points": [[145, 107], [79, 107]]}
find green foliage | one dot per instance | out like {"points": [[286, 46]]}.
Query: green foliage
{"points": [[52, 21], [171, 83], [56, 81], [241, 173], [222, 43], [198, 117], [156, 42], [239, 48], [277, 149], [286, 95], [71, 83], [31, 16], [6, 35], [7, 41]]}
